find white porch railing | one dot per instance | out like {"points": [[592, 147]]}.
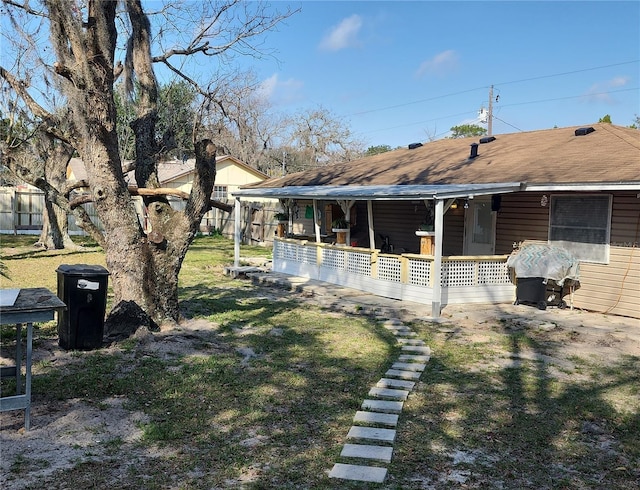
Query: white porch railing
{"points": [[473, 279]]}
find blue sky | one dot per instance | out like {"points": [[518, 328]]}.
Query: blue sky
{"points": [[403, 72]]}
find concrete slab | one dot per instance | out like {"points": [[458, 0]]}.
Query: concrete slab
{"points": [[402, 374], [389, 393], [413, 358], [409, 366], [373, 474], [384, 406], [422, 349], [388, 419], [365, 451], [241, 271], [404, 333], [395, 383], [410, 341], [372, 434]]}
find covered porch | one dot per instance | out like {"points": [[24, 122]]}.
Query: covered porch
{"points": [[428, 278]]}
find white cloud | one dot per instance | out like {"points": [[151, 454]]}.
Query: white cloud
{"points": [[440, 64], [598, 92], [279, 91], [344, 35]]}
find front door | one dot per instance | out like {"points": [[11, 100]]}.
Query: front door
{"points": [[479, 227]]}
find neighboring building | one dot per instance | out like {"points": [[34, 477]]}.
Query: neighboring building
{"points": [[21, 207], [577, 187]]}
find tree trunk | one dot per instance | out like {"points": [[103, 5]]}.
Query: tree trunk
{"points": [[56, 156]]}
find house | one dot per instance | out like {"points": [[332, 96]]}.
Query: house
{"points": [[231, 173], [576, 187]]}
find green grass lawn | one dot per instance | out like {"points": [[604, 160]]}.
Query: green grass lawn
{"points": [[265, 393]]}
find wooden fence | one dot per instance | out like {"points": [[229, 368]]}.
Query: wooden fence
{"points": [[21, 212]]}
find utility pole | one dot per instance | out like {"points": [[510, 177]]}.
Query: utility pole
{"points": [[490, 114]]}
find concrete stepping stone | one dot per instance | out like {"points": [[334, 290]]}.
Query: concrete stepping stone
{"points": [[388, 419], [423, 349], [402, 374], [389, 393], [410, 341], [373, 474], [382, 406], [395, 383], [365, 451], [409, 366], [413, 358], [391, 322], [372, 434], [404, 333]]}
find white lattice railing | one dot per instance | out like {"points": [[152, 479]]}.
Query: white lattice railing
{"points": [[410, 269]]}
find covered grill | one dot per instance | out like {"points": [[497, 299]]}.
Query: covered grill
{"points": [[542, 271]]}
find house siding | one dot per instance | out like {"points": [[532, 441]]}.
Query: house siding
{"points": [[611, 288]]}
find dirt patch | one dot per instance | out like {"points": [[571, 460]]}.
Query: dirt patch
{"points": [[67, 432]]}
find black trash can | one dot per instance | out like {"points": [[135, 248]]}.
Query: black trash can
{"points": [[531, 290], [83, 288]]}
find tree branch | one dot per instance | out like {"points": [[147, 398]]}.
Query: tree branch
{"points": [[159, 191]]}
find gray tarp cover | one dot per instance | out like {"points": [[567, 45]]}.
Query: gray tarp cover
{"points": [[547, 261]]}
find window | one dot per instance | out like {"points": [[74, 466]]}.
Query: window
{"points": [[581, 225], [219, 192]]}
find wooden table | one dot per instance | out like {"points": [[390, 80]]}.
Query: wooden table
{"points": [[31, 306]]}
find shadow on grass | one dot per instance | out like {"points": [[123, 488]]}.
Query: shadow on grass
{"points": [[276, 418], [517, 421]]}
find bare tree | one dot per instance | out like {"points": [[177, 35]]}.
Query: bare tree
{"points": [[86, 36], [318, 138]]}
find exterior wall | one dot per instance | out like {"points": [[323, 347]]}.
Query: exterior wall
{"points": [[607, 288], [397, 219], [234, 176]]}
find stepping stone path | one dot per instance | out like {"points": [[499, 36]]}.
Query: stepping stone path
{"points": [[371, 437]]}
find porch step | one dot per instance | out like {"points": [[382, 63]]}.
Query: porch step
{"points": [[372, 474], [241, 271]]}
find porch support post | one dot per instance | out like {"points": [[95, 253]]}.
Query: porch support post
{"points": [[372, 235], [237, 233], [316, 221], [436, 301], [346, 209]]}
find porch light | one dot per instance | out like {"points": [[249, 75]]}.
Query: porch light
{"points": [[544, 200], [466, 204], [454, 205]]}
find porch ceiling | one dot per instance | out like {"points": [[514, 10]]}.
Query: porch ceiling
{"points": [[381, 192]]}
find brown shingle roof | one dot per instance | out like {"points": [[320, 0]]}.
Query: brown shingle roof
{"points": [[554, 156]]}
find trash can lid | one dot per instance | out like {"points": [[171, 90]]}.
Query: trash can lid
{"points": [[82, 270]]}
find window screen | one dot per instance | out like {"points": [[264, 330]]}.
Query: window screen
{"points": [[581, 225]]}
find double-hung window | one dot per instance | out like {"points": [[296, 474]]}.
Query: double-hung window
{"points": [[220, 192], [581, 224]]}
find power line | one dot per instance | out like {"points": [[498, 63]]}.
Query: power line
{"points": [[568, 72], [487, 86], [571, 97], [501, 106]]}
